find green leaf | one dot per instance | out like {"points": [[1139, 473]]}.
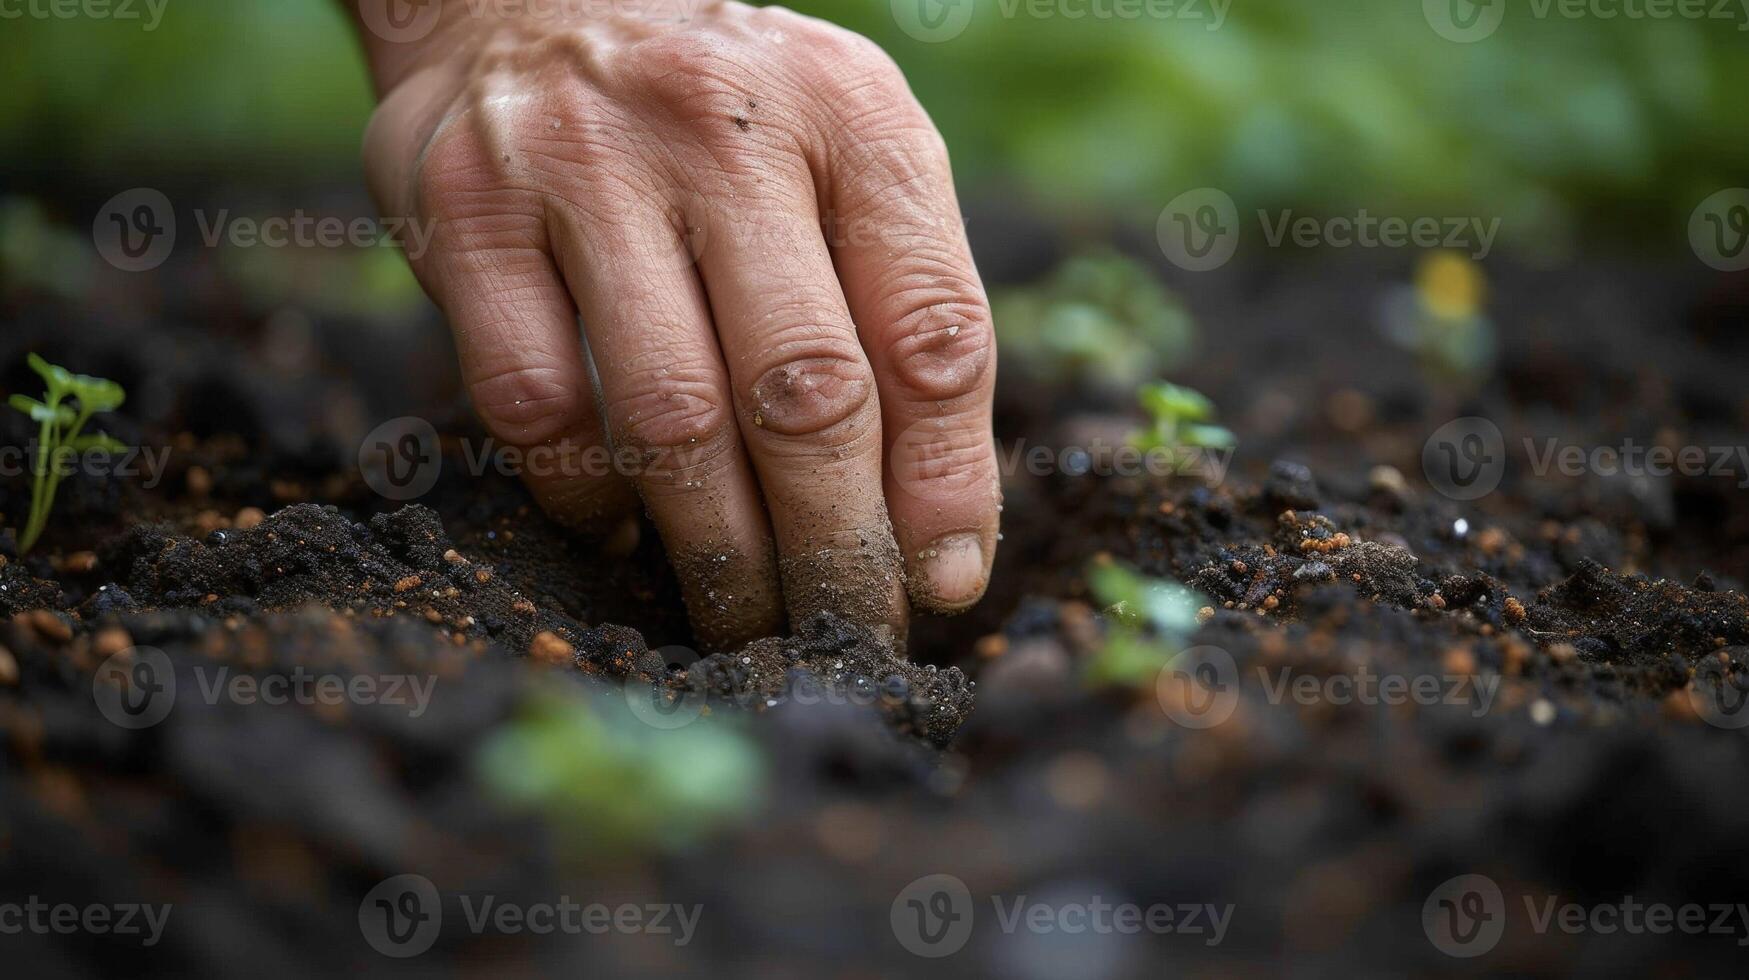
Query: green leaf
{"points": [[39, 412], [59, 379], [1139, 600], [101, 442], [97, 394], [1170, 402], [1207, 437]]}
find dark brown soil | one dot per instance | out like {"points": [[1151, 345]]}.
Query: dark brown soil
{"points": [[1588, 774]]}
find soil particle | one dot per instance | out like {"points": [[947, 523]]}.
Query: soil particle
{"points": [[834, 660], [549, 647]]}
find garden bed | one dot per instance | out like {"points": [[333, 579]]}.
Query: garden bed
{"points": [[1565, 751]]}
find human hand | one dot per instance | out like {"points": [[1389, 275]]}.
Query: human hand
{"points": [[756, 223]]}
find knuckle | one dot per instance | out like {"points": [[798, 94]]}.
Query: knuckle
{"points": [[858, 82], [688, 69], [818, 390], [943, 457], [941, 347], [453, 176], [529, 405], [679, 410]]}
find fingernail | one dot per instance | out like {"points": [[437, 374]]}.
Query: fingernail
{"points": [[952, 570]]}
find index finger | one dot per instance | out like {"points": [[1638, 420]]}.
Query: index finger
{"points": [[924, 319]]}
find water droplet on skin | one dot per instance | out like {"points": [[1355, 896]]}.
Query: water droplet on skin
{"points": [[953, 331]]}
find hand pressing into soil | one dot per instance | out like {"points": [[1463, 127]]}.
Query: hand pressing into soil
{"points": [[755, 222]]}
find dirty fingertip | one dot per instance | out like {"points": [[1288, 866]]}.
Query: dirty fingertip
{"points": [[949, 574]]}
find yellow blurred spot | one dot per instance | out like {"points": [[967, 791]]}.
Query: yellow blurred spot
{"points": [[1450, 285]]}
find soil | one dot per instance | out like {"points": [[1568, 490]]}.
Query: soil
{"points": [[1591, 608]]}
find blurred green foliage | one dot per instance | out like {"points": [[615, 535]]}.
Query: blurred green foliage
{"points": [[1559, 126], [1149, 619], [1100, 319], [605, 781]]}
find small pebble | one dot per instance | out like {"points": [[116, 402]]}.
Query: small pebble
{"points": [[549, 647], [49, 626], [1542, 712], [107, 643]]}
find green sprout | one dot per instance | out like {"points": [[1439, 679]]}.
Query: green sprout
{"points": [[67, 405], [607, 781], [1101, 319], [1179, 420], [1150, 619]]}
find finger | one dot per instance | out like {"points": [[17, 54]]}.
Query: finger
{"points": [[516, 331], [667, 397], [806, 402], [925, 321]]}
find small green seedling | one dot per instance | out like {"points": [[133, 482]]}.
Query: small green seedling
{"points": [[1179, 419], [1150, 620], [67, 405]]}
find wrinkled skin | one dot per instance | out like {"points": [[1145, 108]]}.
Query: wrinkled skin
{"points": [[755, 222]]}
